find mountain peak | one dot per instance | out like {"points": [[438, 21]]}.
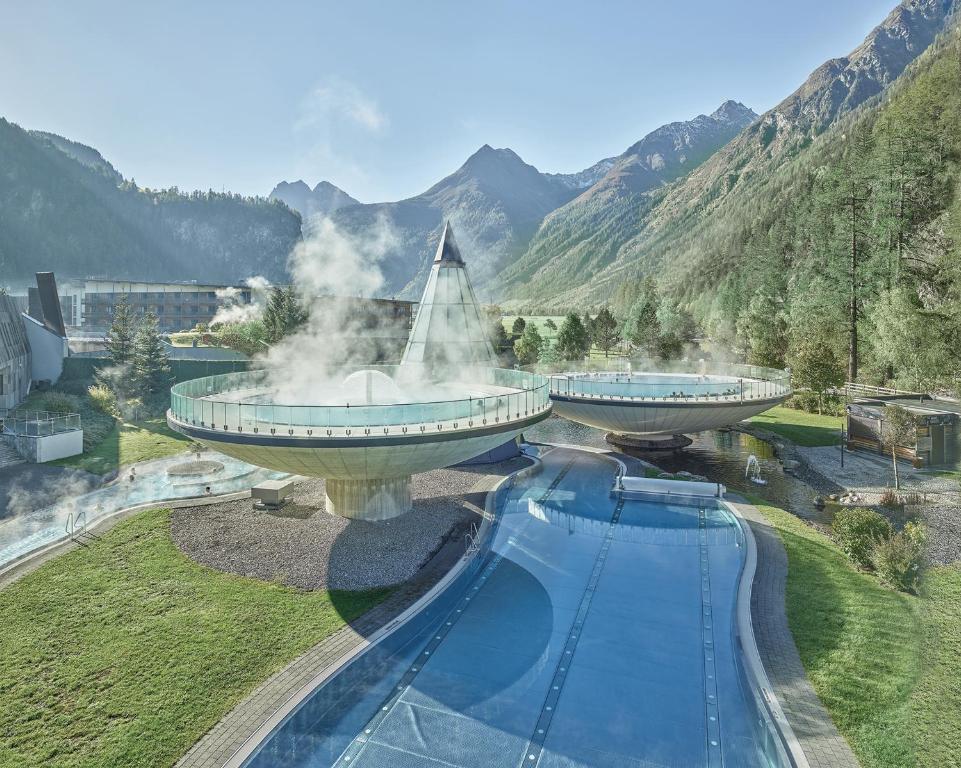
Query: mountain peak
{"points": [[734, 112], [487, 154], [325, 198]]}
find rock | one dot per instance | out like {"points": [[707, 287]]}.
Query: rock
{"points": [[833, 497], [665, 476]]}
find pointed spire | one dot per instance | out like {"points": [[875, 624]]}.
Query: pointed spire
{"points": [[447, 250]]}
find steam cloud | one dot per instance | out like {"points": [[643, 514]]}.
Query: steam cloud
{"points": [[232, 309]]}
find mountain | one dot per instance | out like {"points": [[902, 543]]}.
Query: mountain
{"points": [[64, 208], [580, 238], [323, 199], [608, 236], [495, 201]]}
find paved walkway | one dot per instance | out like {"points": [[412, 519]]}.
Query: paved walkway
{"points": [[222, 741], [823, 745]]}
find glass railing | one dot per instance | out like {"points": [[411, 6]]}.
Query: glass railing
{"points": [[675, 381], [40, 423], [205, 403]]}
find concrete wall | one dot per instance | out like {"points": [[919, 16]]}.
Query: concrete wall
{"points": [[50, 447]]}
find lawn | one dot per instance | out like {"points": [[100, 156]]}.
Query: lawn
{"points": [[538, 320], [884, 663], [127, 443], [126, 652], [801, 427]]}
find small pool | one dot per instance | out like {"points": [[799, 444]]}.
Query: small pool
{"points": [[594, 632], [25, 533]]}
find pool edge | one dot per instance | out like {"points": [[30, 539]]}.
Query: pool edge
{"points": [[757, 674], [252, 744]]}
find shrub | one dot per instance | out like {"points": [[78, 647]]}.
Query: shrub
{"points": [[103, 399], [889, 499], [899, 559], [59, 402], [857, 531]]}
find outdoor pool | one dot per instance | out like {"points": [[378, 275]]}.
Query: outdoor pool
{"points": [[25, 533], [594, 632]]}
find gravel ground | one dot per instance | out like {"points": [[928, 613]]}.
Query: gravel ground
{"points": [[869, 475], [311, 549]]}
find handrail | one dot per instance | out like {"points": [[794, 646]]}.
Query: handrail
{"points": [[199, 403]]}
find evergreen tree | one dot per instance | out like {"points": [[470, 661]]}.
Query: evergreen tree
{"points": [[762, 331], [606, 333], [642, 329], [814, 366], [549, 323], [121, 334], [573, 342], [518, 326], [528, 347], [283, 314], [151, 366]]}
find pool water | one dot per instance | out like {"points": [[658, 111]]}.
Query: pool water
{"points": [[595, 632], [40, 527]]}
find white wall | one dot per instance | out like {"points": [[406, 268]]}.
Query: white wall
{"points": [[47, 351], [50, 447]]}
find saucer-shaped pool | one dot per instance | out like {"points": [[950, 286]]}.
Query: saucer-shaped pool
{"points": [[365, 431], [637, 398]]}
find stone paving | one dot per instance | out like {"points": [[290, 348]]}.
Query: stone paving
{"points": [[823, 745]]}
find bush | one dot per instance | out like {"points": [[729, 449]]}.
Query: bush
{"points": [[59, 402], [857, 532], [899, 559], [103, 399], [889, 499]]}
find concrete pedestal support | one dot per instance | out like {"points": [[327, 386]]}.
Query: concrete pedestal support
{"points": [[648, 442], [369, 499]]}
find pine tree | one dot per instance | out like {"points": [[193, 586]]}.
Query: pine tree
{"points": [[573, 342], [283, 314], [642, 330], [151, 366], [606, 333], [517, 327], [528, 347], [121, 333]]}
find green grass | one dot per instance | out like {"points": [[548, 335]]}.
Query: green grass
{"points": [[124, 653], [883, 662], [801, 427], [936, 702], [538, 320], [129, 442]]}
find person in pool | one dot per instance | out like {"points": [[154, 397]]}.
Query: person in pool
{"points": [[207, 491]]}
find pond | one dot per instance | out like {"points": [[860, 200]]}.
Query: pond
{"points": [[719, 455]]}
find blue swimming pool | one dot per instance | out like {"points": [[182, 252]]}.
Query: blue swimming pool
{"points": [[594, 632]]}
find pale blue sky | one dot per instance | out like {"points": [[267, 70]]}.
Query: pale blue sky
{"points": [[384, 98]]}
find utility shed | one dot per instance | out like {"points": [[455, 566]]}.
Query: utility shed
{"points": [[938, 441]]}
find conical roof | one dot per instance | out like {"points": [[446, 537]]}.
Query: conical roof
{"points": [[450, 326]]}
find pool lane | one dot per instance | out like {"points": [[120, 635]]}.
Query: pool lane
{"points": [[599, 634]]}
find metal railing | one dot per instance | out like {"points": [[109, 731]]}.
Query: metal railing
{"points": [[40, 423], [697, 381], [207, 403]]}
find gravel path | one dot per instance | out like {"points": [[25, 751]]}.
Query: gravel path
{"points": [[311, 549]]}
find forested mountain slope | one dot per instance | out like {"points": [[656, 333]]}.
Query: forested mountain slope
{"points": [[584, 255], [64, 208]]}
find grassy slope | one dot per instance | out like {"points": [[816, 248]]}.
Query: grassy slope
{"points": [[124, 653], [807, 429], [128, 443], [936, 703], [895, 697]]}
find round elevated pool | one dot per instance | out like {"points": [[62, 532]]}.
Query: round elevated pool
{"points": [[365, 431], [625, 397]]}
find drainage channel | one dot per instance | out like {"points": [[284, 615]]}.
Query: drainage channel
{"points": [[349, 756], [711, 715], [535, 746]]}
